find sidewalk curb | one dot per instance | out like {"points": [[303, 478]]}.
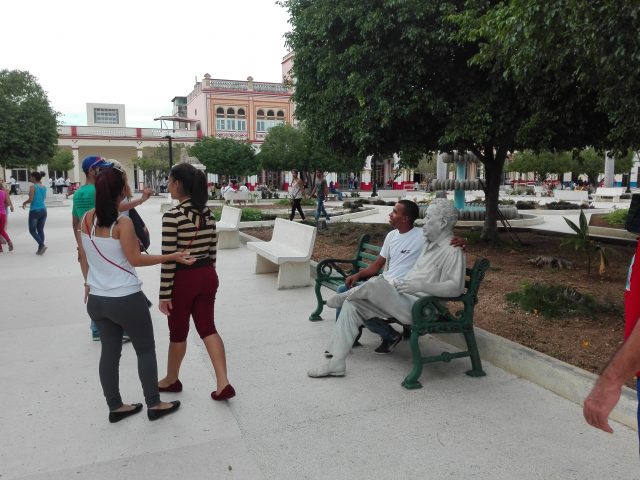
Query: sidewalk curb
{"points": [[567, 381]]}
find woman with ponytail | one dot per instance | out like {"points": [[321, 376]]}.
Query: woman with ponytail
{"points": [[190, 291], [115, 302], [37, 210]]}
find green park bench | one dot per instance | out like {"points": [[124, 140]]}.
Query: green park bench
{"points": [[430, 315], [331, 272]]}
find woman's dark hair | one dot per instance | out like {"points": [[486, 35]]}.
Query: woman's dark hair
{"points": [[36, 175], [194, 183], [109, 187]]}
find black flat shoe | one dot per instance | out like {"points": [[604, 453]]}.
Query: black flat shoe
{"points": [[155, 414], [115, 417]]}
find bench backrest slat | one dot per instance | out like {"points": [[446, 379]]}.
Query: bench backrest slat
{"points": [[231, 215], [298, 236]]}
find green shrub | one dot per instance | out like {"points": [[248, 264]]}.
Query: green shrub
{"points": [[526, 205], [617, 218], [562, 205], [251, 215], [557, 301]]}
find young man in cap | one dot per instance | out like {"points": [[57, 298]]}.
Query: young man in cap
{"points": [[84, 199]]}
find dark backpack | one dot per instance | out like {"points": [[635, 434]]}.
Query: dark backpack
{"points": [[141, 230], [633, 217]]}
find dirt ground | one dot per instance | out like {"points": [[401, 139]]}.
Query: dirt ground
{"points": [[584, 342]]}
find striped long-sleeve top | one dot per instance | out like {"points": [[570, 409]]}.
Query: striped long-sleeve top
{"points": [[184, 228]]}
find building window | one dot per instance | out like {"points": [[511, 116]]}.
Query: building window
{"points": [[220, 121], [107, 116], [241, 120], [261, 125], [233, 118], [270, 120]]}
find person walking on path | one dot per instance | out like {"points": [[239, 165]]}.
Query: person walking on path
{"points": [[84, 199], [296, 191], [114, 297], [190, 291], [5, 206], [37, 211], [320, 190]]}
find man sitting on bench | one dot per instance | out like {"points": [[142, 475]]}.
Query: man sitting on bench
{"points": [[438, 271], [399, 253]]}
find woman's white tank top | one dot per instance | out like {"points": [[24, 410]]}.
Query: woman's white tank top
{"points": [[106, 279]]}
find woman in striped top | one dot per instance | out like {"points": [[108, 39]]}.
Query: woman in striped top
{"points": [[190, 291]]}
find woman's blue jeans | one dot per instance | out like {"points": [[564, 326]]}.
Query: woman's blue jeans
{"points": [[37, 219]]}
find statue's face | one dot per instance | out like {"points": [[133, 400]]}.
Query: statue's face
{"points": [[434, 223]]}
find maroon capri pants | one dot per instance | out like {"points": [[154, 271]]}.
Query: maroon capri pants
{"points": [[194, 295]]}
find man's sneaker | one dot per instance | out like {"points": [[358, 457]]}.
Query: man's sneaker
{"points": [[95, 336], [387, 346], [125, 338]]}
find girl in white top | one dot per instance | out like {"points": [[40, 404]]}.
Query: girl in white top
{"points": [[115, 301]]}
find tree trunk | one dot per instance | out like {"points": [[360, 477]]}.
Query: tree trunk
{"points": [[493, 172]]}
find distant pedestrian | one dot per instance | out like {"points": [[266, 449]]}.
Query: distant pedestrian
{"points": [[320, 190], [37, 211], [296, 192], [5, 206], [13, 186]]}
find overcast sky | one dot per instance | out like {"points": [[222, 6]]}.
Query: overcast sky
{"points": [[139, 52]]}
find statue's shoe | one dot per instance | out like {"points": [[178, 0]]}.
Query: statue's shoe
{"points": [[325, 371]]}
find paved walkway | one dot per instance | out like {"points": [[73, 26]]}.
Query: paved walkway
{"points": [[282, 425]]}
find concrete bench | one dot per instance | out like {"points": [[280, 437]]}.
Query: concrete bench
{"points": [[288, 253], [228, 228], [612, 193], [540, 190], [397, 194], [571, 195], [236, 196]]}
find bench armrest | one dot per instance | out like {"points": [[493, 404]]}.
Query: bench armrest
{"points": [[330, 266]]}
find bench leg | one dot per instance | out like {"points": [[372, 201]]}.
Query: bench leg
{"points": [[315, 315], [265, 266], [411, 381], [294, 275], [228, 240], [476, 364]]}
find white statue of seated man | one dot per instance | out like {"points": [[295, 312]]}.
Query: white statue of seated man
{"points": [[438, 271]]}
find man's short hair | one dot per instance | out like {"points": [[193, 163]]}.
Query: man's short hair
{"points": [[446, 209], [411, 209]]}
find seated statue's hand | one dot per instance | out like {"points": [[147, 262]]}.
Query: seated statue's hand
{"points": [[407, 286]]}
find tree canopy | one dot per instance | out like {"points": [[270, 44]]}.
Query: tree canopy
{"points": [[62, 161], [287, 147], [28, 124], [414, 77], [225, 156]]}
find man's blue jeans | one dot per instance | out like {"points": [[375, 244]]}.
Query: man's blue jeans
{"points": [[376, 325], [320, 210], [37, 219]]}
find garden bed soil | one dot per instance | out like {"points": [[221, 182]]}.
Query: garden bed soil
{"points": [[587, 343]]}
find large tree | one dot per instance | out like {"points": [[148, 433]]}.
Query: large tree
{"points": [[28, 124], [593, 46], [387, 76], [225, 156]]}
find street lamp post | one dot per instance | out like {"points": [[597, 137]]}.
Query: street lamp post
{"points": [[168, 137]]}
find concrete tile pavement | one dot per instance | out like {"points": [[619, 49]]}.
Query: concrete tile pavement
{"points": [[282, 425]]}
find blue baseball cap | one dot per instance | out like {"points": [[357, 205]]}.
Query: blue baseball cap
{"points": [[94, 161]]}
